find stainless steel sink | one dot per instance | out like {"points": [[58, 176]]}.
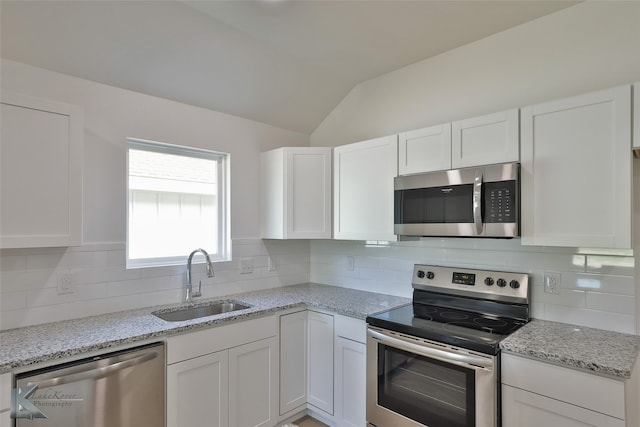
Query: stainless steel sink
{"points": [[189, 313]]}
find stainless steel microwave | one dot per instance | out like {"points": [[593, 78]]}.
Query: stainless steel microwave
{"points": [[472, 202]]}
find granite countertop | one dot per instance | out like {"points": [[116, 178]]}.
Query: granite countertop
{"points": [[24, 347], [594, 350]]}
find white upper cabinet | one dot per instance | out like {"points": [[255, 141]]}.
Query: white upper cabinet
{"points": [[363, 189], [296, 193], [576, 171], [636, 115], [40, 173], [424, 150], [485, 140]]}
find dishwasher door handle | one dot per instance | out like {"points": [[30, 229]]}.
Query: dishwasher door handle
{"points": [[95, 373]]}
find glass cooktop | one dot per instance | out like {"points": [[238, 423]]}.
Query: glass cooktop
{"points": [[469, 330]]}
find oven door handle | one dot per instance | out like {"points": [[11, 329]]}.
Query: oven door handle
{"points": [[466, 360]]}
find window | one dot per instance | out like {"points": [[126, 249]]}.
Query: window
{"points": [[178, 201]]}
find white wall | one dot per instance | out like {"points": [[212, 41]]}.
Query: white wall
{"points": [[586, 47], [28, 277]]}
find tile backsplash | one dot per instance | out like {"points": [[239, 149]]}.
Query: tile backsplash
{"points": [[597, 286], [101, 283]]}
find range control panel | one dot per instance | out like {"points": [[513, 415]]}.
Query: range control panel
{"points": [[487, 284]]}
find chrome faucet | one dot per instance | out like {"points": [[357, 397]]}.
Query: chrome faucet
{"points": [[189, 294]]}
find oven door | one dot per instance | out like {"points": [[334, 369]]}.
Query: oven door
{"points": [[415, 382]]}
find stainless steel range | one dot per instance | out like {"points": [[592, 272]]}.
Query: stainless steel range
{"points": [[436, 362]]}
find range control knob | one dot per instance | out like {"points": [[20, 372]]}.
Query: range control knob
{"points": [[430, 275], [488, 281], [501, 283], [514, 284], [421, 274]]}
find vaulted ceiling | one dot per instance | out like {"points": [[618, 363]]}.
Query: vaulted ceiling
{"points": [[284, 63]]}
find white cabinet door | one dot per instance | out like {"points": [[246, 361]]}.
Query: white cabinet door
{"points": [[636, 115], [253, 384], [320, 365], [521, 408], [198, 391], [576, 171], [5, 400], [350, 396], [424, 150], [363, 189], [293, 361], [40, 173], [485, 140], [296, 193]]}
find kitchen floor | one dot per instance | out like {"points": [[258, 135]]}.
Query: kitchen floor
{"points": [[309, 422]]}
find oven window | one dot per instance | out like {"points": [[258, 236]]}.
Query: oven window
{"points": [[426, 390], [436, 205]]}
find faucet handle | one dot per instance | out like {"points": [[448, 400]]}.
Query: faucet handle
{"points": [[199, 293]]}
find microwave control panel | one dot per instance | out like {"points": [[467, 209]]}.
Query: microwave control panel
{"points": [[499, 202]]}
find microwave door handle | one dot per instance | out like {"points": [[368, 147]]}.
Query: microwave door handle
{"points": [[477, 201]]}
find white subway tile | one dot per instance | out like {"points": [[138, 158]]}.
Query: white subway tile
{"points": [[49, 296], [12, 281], [42, 261], [13, 263], [599, 283], [116, 258], [612, 265], [546, 261], [567, 297], [105, 274], [474, 258], [623, 304], [246, 249], [592, 318], [13, 300], [144, 286]]}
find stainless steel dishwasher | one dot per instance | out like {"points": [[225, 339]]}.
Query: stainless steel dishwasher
{"points": [[120, 389]]}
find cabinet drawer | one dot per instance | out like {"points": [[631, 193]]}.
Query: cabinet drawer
{"points": [[600, 394], [521, 408], [187, 346], [351, 328]]}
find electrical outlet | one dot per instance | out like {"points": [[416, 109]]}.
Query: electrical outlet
{"points": [[246, 265], [65, 283], [351, 263], [552, 283]]}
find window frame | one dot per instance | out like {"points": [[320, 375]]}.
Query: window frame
{"points": [[223, 208]]}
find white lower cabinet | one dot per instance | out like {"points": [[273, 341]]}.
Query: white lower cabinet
{"points": [[320, 365], [293, 361], [224, 376], [350, 379], [537, 394], [5, 400], [253, 385], [306, 364], [197, 391]]}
